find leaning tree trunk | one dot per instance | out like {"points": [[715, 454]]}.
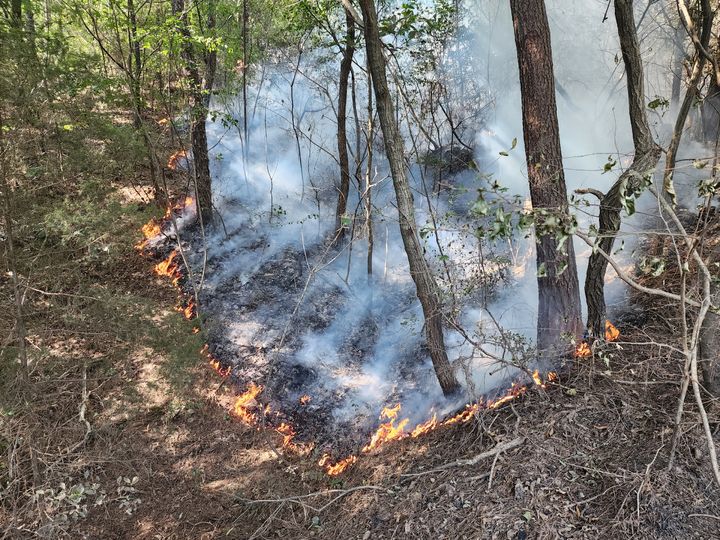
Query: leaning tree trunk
{"points": [[559, 311], [343, 158], [647, 154], [426, 287]]}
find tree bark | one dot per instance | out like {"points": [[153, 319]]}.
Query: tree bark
{"points": [[692, 93], [647, 154], [559, 312], [343, 158], [426, 287], [199, 102]]}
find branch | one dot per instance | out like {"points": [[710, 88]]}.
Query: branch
{"points": [[498, 449], [353, 12], [590, 191], [627, 279]]}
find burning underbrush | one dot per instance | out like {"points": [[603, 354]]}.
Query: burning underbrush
{"points": [[282, 393]]}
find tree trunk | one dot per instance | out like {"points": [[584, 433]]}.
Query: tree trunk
{"points": [[647, 154], [709, 353], [199, 101], [426, 287], [559, 311], [693, 91], [345, 67], [711, 113]]}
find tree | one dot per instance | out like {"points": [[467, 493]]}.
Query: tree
{"points": [[426, 287], [632, 181], [201, 84], [558, 290], [345, 68]]}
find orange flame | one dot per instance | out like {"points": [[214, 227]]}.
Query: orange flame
{"points": [[583, 350], [387, 431], [425, 427], [245, 402], [337, 468], [176, 158], [537, 379], [188, 310], [304, 400], [611, 332], [288, 433], [168, 267]]}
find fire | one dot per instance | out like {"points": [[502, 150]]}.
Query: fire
{"points": [[425, 427], [304, 400], [465, 416], [218, 367], [168, 267], [388, 431], [188, 310], [288, 433], [537, 379], [176, 159], [245, 402], [611, 332], [337, 468], [583, 350]]}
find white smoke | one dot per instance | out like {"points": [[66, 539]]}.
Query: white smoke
{"points": [[282, 197]]}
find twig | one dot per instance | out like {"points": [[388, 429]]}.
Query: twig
{"points": [[298, 499], [499, 448]]}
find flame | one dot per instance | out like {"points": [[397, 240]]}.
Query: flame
{"points": [[188, 310], [176, 158], [288, 433], [537, 379], [462, 417], [304, 400], [611, 332], [245, 402], [168, 267], [337, 468], [425, 427], [583, 350], [388, 431]]}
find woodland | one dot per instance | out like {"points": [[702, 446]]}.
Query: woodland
{"points": [[359, 269]]}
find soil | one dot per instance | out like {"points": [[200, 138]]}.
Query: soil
{"points": [[592, 464]]}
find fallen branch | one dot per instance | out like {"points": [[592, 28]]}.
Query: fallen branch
{"points": [[298, 499], [498, 449]]}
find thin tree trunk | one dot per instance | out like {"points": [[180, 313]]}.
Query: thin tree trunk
{"points": [[693, 91], [246, 60], [199, 101], [20, 330], [343, 158], [426, 287], [647, 154], [368, 179], [558, 290]]}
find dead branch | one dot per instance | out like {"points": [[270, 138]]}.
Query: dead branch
{"points": [[498, 449]]}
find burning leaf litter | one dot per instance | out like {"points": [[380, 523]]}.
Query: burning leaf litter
{"points": [[248, 409]]}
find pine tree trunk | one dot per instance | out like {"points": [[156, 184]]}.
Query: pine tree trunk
{"points": [[426, 287], [558, 291]]}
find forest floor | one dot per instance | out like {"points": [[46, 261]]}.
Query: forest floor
{"points": [[126, 432]]}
